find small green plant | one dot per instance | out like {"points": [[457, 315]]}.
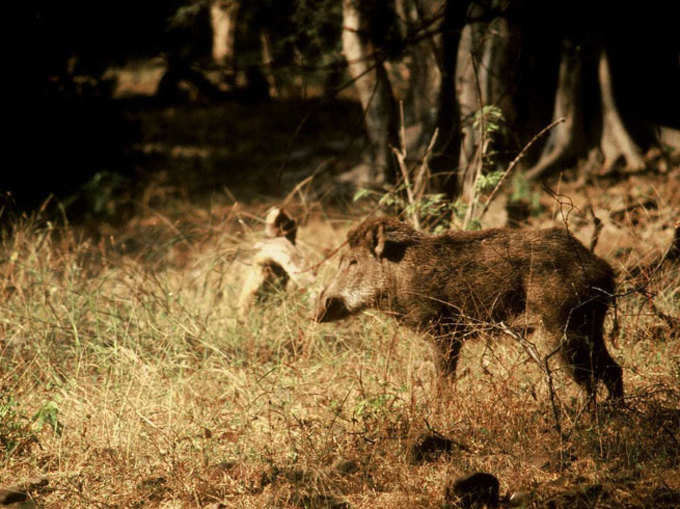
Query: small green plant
{"points": [[48, 414], [482, 174], [490, 122], [433, 210], [488, 181], [492, 117]]}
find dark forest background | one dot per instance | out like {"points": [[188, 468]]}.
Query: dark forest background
{"points": [[80, 141]]}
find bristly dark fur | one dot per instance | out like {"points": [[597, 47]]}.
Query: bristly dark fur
{"points": [[454, 284]]}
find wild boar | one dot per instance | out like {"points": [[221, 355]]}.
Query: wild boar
{"points": [[459, 283]]}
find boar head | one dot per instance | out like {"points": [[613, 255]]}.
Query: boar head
{"points": [[366, 272]]}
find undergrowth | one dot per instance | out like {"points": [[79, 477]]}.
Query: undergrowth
{"points": [[126, 381]]}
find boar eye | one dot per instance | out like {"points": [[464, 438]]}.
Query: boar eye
{"points": [[353, 261]]}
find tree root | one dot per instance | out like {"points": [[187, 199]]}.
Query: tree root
{"points": [[567, 141], [616, 142], [566, 137]]}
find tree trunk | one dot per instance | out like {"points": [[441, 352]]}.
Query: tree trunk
{"points": [[616, 143], [422, 27], [223, 17], [366, 68], [249, 36], [487, 56], [447, 149], [567, 138], [468, 94]]}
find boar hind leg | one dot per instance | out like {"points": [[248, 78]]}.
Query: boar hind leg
{"points": [[605, 367], [589, 362], [611, 374], [586, 353], [447, 350]]}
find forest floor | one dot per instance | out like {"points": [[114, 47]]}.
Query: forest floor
{"points": [[126, 379]]}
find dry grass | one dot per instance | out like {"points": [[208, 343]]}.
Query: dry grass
{"points": [[126, 382]]}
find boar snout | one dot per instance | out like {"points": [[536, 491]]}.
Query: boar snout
{"points": [[329, 309]]}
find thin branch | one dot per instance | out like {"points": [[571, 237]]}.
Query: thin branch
{"points": [[420, 180], [478, 160], [400, 154], [514, 162], [531, 349]]}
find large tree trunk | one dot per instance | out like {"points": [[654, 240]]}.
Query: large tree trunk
{"points": [[366, 68], [616, 143], [469, 96], [567, 138], [447, 149], [366, 47], [223, 18], [567, 141], [423, 22], [250, 44]]}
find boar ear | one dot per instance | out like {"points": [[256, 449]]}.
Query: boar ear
{"points": [[391, 238], [384, 237], [378, 240]]}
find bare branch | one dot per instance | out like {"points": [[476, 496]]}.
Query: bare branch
{"points": [[400, 154], [514, 162], [543, 363], [420, 181]]}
